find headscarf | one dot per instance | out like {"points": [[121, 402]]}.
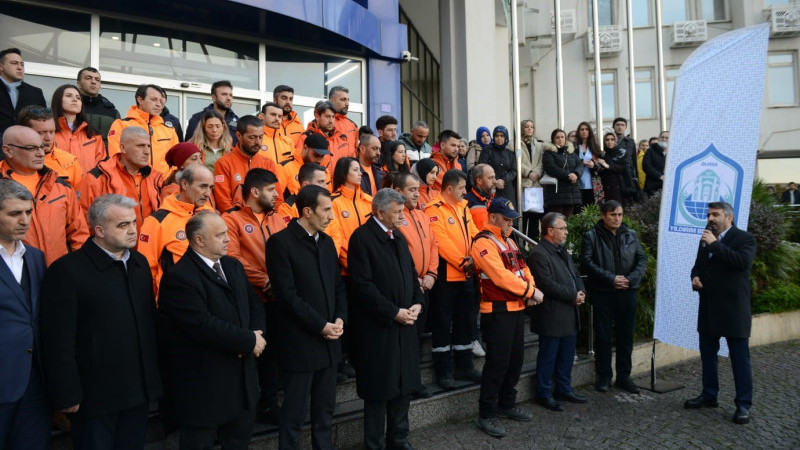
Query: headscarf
{"points": [[479, 133]]}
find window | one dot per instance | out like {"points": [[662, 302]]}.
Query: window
{"points": [[44, 37], [713, 10], [681, 10], [674, 11], [609, 91], [670, 74], [419, 85], [642, 13], [605, 12], [782, 79], [768, 3], [313, 74], [644, 93]]}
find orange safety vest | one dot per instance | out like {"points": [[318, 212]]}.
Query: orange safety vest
{"points": [[502, 288]]}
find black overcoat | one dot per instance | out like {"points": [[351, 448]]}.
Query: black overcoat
{"points": [[206, 329], [559, 163], [308, 287], [725, 298], [26, 95], [98, 332], [383, 280], [557, 277]]}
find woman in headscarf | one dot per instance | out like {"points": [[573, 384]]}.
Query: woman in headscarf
{"points": [[483, 138], [504, 163], [427, 170]]}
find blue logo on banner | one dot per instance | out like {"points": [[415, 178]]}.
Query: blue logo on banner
{"points": [[700, 180]]}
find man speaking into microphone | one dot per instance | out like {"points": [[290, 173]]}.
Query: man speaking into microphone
{"points": [[721, 275]]}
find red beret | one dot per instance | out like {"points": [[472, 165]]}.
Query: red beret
{"points": [[179, 153]]}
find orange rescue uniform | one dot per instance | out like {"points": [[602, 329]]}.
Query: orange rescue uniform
{"points": [[276, 146], [351, 209], [229, 173], [65, 165], [111, 177], [337, 145], [292, 127], [444, 164], [162, 239], [422, 242], [248, 235], [58, 225], [162, 136], [454, 229], [489, 265], [343, 125], [426, 194], [89, 151]]}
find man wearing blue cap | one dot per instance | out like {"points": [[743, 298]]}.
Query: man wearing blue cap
{"points": [[507, 287]]}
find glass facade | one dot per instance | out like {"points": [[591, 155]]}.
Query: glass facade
{"points": [[420, 85], [645, 106], [782, 79], [47, 38], [608, 90]]}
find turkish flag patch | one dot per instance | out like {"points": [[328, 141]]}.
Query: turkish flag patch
{"points": [[434, 219], [287, 219], [483, 253], [144, 238], [112, 132], [219, 178]]}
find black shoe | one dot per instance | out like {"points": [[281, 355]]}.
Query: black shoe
{"points": [[422, 393], [270, 415], [517, 414], [701, 401], [447, 382], [741, 416], [627, 384], [571, 397], [491, 426], [603, 385], [470, 375], [549, 403]]}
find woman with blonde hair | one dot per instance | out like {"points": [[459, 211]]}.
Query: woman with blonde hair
{"points": [[212, 137]]}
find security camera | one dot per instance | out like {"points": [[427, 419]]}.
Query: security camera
{"points": [[406, 55]]}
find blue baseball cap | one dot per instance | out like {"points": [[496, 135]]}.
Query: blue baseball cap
{"points": [[504, 206]]}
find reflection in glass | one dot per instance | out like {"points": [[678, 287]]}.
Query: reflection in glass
{"points": [[781, 79], [46, 35], [713, 10], [673, 11], [175, 54], [604, 12], [313, 74], [641, 13], [608, 90]]}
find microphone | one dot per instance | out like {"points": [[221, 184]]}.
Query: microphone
{"points": [[703, 243]]}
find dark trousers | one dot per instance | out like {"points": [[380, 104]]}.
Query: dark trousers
{"points": [[503, 334], [390, 417], [422, 320], [25, 423], [451, 308], [119, 430], [530, 224], [320, 385], [268, 377], [740, 363], [556, 356], [617, 309], [234, 435], [476, 310]]}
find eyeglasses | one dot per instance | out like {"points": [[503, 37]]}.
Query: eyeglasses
{"points": [[29, 148], [560, 228]]}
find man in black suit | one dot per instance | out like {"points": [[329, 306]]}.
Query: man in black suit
{"points": [[213, 326], [99, 334], [721, 275], [791, 196], [386, 302], [15, 93], [24, 412], [303, 266]]}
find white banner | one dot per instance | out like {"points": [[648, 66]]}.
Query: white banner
{"points": [[712, 154]]}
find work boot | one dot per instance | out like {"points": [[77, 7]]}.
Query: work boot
{"points": [[443, 366]]}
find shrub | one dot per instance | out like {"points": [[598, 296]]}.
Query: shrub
{"points": [[784, 297]]}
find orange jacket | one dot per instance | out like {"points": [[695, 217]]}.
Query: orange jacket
{"points": [[229, 173], [343, 125], [351, 209], [426, 194], [110, 177], [276, 146], [488, 262], [291, 171], [292, 127], [58, 225], [89, 151], [162, 239], [454, 229], [422, 243], [444, 165], [479, 207], [338, 145], [248, 240], [287, 209], [162, 137], [65, 165]]}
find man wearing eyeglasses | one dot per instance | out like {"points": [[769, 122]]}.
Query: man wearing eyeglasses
{"points": [[15, 93], [57, 225]]}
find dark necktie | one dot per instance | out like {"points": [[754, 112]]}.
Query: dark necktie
{"points": [[218, 269]]}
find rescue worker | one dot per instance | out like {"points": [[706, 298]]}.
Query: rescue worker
{"points": [[127, 173], [58, 225], [309, 173], [315, 149], [249, 228], [146, 113], [447, 156], [230, 169], [63, 163], [340, 97], [291, 125], [162, 238], [324, 124], [369, 156], [74, 134], [275, 145], [351, 206], [481, 193], [449, 320], [507, 286]]}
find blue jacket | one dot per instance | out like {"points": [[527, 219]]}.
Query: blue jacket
{"points": [[19, 326]]}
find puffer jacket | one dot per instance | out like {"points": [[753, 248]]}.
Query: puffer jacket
{"points": [[559, 163], [504, 163]]}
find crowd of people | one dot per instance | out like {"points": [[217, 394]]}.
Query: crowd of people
{"points": [[257, 254]]}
